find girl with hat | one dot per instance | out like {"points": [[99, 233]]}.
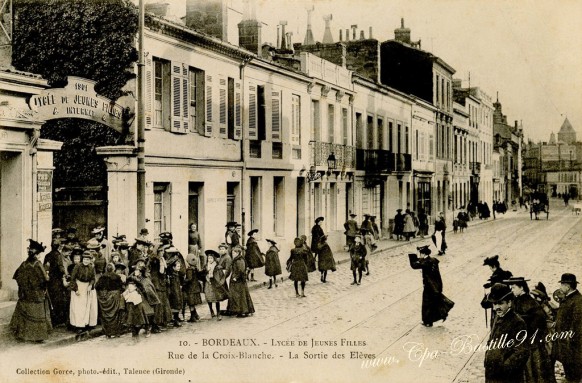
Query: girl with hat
{"points": [[175, 290], [31, 320], [135, 305], [316, 234], [83, 309], [215, 288], [272, 263], [297, 266], [148, 292], [191, 288], [253, 256], [325, 260], [239, 301], [109, 288]]}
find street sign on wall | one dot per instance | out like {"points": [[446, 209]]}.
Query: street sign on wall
{"points": [[78, 100]]}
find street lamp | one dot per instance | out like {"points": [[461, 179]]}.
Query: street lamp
{"points": [[312, 174]]}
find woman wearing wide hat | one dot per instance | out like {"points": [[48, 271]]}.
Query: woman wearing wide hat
{"points": [[325, 261], [215, 289], [498, 275], [239, 300], [109, 288], [31, 320], [297, 266], [272, 263], [253, 256], [435, 306]]}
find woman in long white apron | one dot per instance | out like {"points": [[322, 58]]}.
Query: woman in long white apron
{"points": [[83, 309]]}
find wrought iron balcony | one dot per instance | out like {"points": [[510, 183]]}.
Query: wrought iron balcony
{"points": [[382, 161], [476, 168], [345, 155]]}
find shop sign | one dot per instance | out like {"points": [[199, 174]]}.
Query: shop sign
{"points": [[77, 100]]}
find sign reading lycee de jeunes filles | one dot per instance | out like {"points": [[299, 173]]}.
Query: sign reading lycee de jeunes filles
{"points": [[77, 100]]}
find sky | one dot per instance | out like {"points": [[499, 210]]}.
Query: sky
{"points": [[529, 52]]}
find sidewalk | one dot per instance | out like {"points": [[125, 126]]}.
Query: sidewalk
{"points": [[61, 336]]}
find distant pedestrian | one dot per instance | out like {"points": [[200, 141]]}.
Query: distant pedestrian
{"points": [[506, 356], [435, 306], [297, 266], [272, 263], [316, 233], [325, 259], [31, 320], [253, 255], [398, 224], [194, 240], [240, 302], [231, 237], [375, 230], [409, 228], [568, 350], [351, 229], [422, 223], [438, 236], [358, 254]]}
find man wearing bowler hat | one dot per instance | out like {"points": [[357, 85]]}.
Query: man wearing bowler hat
{"points": [[568, 349], [538, 367], [506, 356]]}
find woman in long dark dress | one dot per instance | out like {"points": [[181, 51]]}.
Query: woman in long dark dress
{"points": [[316, 234], [109, 288], [325, 261], [297, 266], [239, 301], [253, 257], [56, 263], [435, 306], [31, 320], [272, 263]]}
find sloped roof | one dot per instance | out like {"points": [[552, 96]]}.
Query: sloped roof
{"points": [[567, 127]]}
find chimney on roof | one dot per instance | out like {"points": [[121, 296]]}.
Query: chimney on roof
{"points": [[347, 34], [327, 38], [370, 33], [309, 40], [249, 30], [402, 34], [362, 37], [283, 36], [354, 28], [341, 35]]}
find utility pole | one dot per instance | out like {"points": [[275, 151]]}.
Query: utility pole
{"points": [[141, 122]]}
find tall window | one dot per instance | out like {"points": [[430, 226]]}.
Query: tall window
{"points": [[381, 144], [390, 136], [331, 123], [296, 125], [345, 127], [196, 105], [315, 121], [162, 207], [430, 147], [399, 138], [416, 144], [278, 205], [359, 131], [407, 140], [161, 93], [370, 132]]}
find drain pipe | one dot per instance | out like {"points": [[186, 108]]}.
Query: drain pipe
{"points": [[243, 150]]}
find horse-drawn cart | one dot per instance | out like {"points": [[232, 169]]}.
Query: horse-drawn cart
{"points": [[539, 204]]}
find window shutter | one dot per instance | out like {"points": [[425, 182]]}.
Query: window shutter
{"points": [[253, 112], [295, 120], [177, 125], [222, 123], [237, 111], [149, 91], [276, 116], [208, 130], [185, 100]]}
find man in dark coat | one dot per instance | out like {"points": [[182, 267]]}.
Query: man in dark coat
{"points": [[435, 306], [506, 355], [56, 266], [568, 349], [31, 320], [351, 227], [538, 367], [358, 254], [498, 275]]}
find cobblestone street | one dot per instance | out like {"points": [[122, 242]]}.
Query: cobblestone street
{"points": [[376, 321]]}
